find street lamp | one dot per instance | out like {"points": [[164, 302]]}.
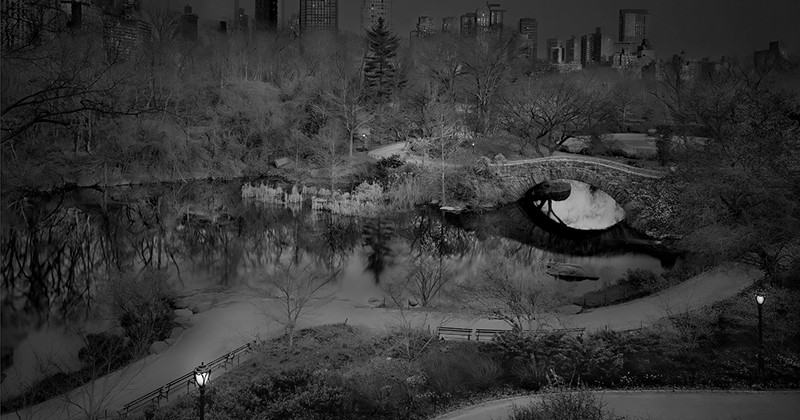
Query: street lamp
{"points": [[201, 376], [760, 301]]}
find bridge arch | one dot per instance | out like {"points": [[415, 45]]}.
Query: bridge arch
{"points": [[624, 183]]}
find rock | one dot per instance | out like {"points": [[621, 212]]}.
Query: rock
{"points": [[569, 309], [183, 313], [374, 299], [176, 332], [182, 303], [281, 162], [158, 347], [184, 321], [198, 307], [412, 302], [170, 341], [499, 158]]}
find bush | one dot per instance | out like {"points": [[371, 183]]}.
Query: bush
{"points": [[460, 370], [564, 404], [105, 352], [640, 279], [144, 307]]}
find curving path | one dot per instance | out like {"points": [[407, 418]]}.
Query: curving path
{"points": [[240, 318], [663, 405]]}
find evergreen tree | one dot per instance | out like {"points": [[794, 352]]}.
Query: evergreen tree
{"points": [[379, 67]]}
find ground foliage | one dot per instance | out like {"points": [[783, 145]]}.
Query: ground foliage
{"points": [[341, 371]]}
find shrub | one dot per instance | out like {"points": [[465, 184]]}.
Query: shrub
{"points": [[384, 388], [144, 307], [105, 352], [640, 279], [564, 404], [459, 370]]}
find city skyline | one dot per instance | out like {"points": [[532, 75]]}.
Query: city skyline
{"points": [[710, 28]]}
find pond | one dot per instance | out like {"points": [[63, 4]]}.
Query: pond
{"points": [[59, 250]]}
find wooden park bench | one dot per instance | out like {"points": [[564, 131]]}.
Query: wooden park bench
{"points": [[488, 333], [456, 333]]}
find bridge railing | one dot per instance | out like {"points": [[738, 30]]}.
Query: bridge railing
{"points": [[649, 173]]}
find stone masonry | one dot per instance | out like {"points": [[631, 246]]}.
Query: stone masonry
{"points": [[623, 183]]}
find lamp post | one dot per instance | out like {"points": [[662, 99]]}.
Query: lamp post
{"points": [[201, 376], [760, 301]]}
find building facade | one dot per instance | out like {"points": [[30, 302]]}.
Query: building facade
{"points": [[572, 50], [632, 26], [449, 25], [319, 15], [469, 24], [425, 26], [372, 10], [529, 36], [268, 15], [188, 24]]}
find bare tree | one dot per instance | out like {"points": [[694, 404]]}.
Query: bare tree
{"points": [[440, 65], [442, 124], [294, 285], [327, 154], [513, 292], [344, 98], [486, 62], [546, 112], [428, 277]]}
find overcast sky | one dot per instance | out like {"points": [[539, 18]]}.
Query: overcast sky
{"points": [[702, 28]]}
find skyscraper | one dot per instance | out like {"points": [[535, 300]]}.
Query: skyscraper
{"points": [[372, 10], [318, 15], [572, 50], [632, 26], [529, 32], [267, 15]]}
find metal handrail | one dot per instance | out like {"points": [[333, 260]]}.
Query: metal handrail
{"points": [[155, 396]]}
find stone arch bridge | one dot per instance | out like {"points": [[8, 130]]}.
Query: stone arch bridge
{"points": [[624, 183]]}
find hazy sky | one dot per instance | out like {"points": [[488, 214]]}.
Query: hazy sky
{"points": [[700, 27]]}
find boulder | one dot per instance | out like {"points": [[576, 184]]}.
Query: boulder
{"points": [[158, 347], [176, 332], [183, 313], [182, 303], [184, 321], [569, 309], [198, 307], [281, 162], [412, 302], [499, 158], [170, 341]]}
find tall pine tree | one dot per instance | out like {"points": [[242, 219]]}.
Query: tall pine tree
{"points": [[379, 66]]}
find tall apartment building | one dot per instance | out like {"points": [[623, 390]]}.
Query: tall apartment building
{"points": [[372, 10], [555, 50], [632, 26], [242, 22], [425, 26], [469, 24], [489, 17], [449, 24], [529, 36], [572, 50], [268, 15], [587, 50], [603, 48], [319, 15], [188, 24]]}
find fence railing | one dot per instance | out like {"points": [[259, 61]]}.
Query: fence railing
{"points": [[155, 397]]}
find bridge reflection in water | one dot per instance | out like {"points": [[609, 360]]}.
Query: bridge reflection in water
{"points": [[524, 222]]}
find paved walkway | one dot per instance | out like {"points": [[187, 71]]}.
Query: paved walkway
{"points": [[663, 405], [240, 318]]}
